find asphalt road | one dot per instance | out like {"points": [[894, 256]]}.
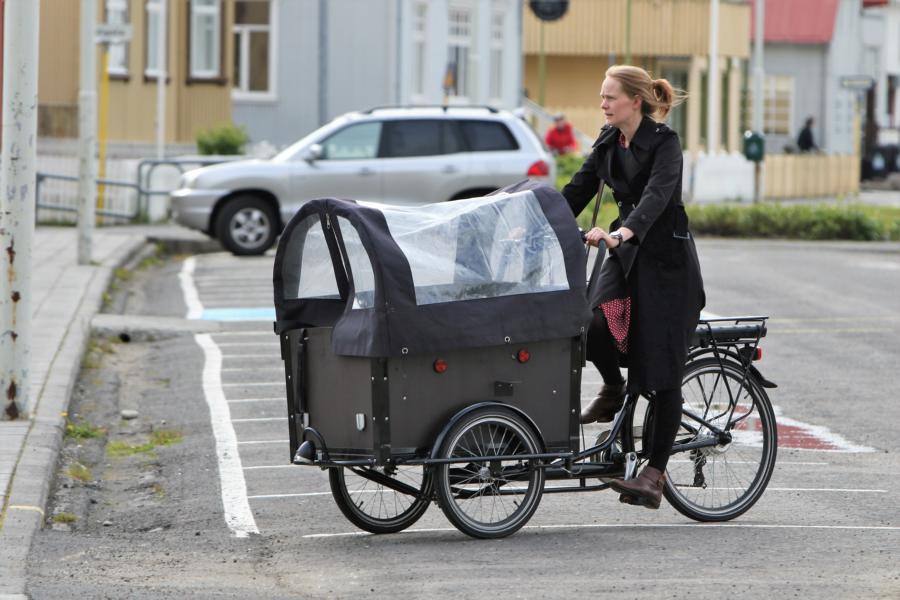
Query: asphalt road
{"points": [[828, 525]]}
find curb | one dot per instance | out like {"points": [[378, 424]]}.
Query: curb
{"points": [[37, 461]]}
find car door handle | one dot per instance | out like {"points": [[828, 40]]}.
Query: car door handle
{"points": [[366, 171], [450, 170]]}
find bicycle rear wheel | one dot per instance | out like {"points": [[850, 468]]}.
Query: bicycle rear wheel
{"points": [[721, 482]]}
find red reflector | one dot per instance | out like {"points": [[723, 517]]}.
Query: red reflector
{"points": [[538, 169], [758, 355], [440, 365], [523, 356]]}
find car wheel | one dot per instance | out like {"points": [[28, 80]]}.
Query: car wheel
{"points": [[247, 225]]}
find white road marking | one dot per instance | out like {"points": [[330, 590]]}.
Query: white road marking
{"points": [[272, 342], [639, 525], [189, 290], [266, 334], [254, 384], [246, 400], [259, 419], [238, 516], [253, 369]]}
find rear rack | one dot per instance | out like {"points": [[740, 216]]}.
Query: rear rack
{"points": [[741, 329]]}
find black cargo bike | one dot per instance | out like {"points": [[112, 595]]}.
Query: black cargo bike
{"points": [[435, 354]]}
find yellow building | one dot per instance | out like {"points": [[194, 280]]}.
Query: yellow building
{"points": [[198, 88], [669, 38]]}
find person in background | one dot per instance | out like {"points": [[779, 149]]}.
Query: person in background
{"points": [[805, 140], [650, 287], [560, 138]]}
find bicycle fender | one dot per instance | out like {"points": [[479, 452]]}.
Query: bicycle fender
{"points": [[438, 442]]}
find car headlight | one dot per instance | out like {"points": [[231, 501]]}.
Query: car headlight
{"points": [[188, 180]]}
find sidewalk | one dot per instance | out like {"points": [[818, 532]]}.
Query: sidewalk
{"points": [[65, 296]]}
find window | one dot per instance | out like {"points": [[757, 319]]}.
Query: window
{"points": [[356, 142], [307, 271], [206, 23], [117, 14], [419, 138], [777, 104], [497, 52], [487, 136], [360, 266], [254, 56], [459, 45], [153, 9], [420, 23]]}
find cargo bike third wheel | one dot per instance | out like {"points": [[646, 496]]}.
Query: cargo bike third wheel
{"points": [[381, 499], [487, 497]]}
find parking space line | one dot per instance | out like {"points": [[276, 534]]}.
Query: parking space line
{"points": [[189, 290], [637, 526], [238, 515], [247, 400]]}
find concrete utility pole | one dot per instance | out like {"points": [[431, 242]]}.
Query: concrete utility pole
{"points": [[712, 81], [758, 71], [161, 79], [17, 212], [87, 133], [758, 80]]}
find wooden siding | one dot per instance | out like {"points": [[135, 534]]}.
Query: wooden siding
{"points": [[811, 175], [659, 28], [190, 106]]}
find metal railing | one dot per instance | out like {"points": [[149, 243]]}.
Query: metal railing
{"points": [[141, 185]]}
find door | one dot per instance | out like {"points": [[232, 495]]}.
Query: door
{"points": [[347, 168], [422, 161]]}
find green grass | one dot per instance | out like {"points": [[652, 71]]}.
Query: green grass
{"points": [[64, 517], [79, 472], [842, 221], [160, 437], [83, 431]]}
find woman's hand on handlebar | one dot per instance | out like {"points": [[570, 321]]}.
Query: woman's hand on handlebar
{"points": [[597, 235]]}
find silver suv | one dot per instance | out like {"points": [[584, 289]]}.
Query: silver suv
{"points": [[411, 155]]}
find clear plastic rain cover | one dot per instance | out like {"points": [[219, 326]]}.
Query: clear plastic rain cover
{"points": [[479, 248]]}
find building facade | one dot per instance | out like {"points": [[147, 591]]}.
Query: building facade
{"points": [[669, 38], [198, 68], [300, 63]]}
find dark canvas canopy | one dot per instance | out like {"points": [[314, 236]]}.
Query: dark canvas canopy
{"points": [[391, 280]]}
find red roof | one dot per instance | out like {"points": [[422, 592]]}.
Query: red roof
{"points": [[798, 21]]}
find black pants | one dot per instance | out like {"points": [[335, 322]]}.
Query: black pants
{"points": [[601, 349]]}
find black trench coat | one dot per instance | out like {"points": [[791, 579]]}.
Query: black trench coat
{"points": [[657, 268]]}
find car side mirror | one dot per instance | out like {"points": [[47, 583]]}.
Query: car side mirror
{"points": [[313, 153]]}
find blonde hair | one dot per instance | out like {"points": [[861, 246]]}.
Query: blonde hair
{"points": [[658, 97]]}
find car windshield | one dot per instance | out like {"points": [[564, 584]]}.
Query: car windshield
{"points": [[291, 152]]}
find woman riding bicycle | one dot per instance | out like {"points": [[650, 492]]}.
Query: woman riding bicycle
{"points": [[650, 287]]}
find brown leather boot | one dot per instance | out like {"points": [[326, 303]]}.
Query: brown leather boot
{"points": [[644, 490], [604, 407]]}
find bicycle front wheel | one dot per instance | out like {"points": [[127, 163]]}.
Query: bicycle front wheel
{"points": [[721, 482]]}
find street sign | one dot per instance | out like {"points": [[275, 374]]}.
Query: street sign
{"points": [[857, 82], [112, 33]]}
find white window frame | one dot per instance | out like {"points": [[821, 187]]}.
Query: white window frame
{"points": [[198, 12], [458, 40], [151, 13], [498, 37], [117, 54], [239, 90], [419, 50]]}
